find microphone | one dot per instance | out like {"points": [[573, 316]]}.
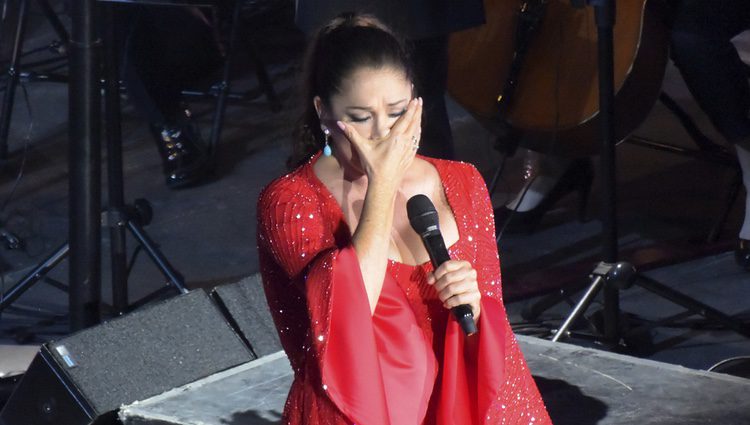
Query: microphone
{"points": [[424, 220]]}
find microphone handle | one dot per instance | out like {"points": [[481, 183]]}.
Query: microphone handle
{"points": [[435, 245]]}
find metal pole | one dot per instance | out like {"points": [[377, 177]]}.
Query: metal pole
{"points": [[116, 183], [221, 102], [12, 79], [579, 309], [157, 257], [604, 11], [33, 276], [84, 160]]}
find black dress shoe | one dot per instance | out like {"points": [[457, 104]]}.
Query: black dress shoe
{"points": [[742, 254], [576, 178], [184, 157]]}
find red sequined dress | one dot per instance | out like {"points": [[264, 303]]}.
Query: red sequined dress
{"points": [[408, 363]]}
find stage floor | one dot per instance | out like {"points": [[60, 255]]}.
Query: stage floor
{"points": [[580, 386]]}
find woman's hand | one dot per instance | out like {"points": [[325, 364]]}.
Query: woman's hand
{"points": [[386, 160], [456, 283]]}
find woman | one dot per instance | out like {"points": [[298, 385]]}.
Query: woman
{"points": [[361, 314]]}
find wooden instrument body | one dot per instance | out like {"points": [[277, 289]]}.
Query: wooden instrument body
{"points": [[555, 106]]}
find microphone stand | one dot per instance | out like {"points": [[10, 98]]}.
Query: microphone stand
{"points": [[609, 274]]}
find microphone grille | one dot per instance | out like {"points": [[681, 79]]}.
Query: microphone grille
{"points": [[422, 214]]}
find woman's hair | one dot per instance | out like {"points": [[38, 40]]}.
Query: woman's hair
{"points": [[348, 43]]}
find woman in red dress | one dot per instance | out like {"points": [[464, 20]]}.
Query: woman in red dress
{"points": [[362, 315]]}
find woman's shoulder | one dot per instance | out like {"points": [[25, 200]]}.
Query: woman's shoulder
{"points": [[294, 186], [450, 169]]}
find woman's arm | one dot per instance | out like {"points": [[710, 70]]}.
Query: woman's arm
{"points": [[371, 239], [385, 162]]}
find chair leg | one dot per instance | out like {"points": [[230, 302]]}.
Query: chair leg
{"points": [[263, 79], [54, 21], [224, 84], [261, 73], [699, 138], [731, 197]]}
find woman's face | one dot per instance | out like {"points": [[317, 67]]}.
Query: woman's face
{"points": [[370, 100]]}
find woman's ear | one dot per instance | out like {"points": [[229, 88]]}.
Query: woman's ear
{"points": [[318, 103]]}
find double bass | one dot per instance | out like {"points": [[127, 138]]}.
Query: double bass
{"points": [[533, 68]]}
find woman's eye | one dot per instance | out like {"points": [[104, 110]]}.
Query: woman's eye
{"points": [[398, 114], [358, 119]]}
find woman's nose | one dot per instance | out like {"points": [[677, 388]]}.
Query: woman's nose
{"points": [[380, 128]]}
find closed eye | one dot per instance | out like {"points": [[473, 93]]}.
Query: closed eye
{"points": [[355, 118], [397, 114], [360, 119]]}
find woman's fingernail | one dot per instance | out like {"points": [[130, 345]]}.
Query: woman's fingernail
{"points": [[341, 125], [420, 101]]}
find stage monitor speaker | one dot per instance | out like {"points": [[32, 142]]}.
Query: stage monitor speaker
{"points": [[86, 377], [245, 304]]}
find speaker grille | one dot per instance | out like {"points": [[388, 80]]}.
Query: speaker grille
{"points": [[245, 302], [150, 351]]}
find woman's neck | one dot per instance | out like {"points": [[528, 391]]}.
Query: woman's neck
{"points": [[345, 171]]}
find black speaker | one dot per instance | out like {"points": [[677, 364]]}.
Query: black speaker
{"points": [[86, 377], [245, 304]]}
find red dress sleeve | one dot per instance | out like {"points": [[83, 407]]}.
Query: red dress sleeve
{"points": [[485, 381], [335, 347]]}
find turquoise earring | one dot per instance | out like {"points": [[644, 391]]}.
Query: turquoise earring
{"points": [[327, 147]]}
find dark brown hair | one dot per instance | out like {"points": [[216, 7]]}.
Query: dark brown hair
{"points": [[348, 43]]}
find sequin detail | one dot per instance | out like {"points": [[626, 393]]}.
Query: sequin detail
{"points": [[301, 228]]}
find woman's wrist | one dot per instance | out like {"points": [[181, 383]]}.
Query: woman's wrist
{"points": [[382, 186]]}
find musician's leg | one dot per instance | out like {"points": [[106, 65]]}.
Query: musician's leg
{"points": [[709, 63], [713, 71], [170, 48], [134, 69], [167, 49]]}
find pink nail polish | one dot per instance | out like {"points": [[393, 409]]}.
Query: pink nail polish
{"points": [[341, 125]]}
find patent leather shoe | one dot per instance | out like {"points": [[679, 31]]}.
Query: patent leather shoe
{"points": [[184, 157], [577, 178]]}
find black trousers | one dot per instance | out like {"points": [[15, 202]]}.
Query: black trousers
{"points": [[709, 63], [165, 49]]}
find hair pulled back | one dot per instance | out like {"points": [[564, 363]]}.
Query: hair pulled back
{"points": [[346, 44]]}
